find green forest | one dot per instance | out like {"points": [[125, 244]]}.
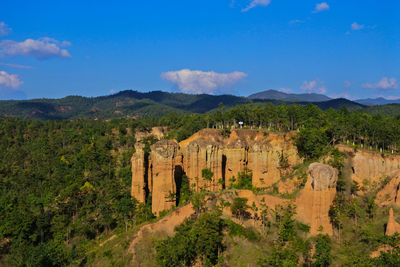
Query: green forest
{"points": [[65, 186]]}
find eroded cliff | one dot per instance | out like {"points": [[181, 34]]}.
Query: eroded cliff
{"points": [[314, 201], [369, 165], [269, 157], [160, 170]]}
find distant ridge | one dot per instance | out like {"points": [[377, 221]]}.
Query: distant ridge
{"points": [[154, 104], [277, 95], [377, 101]]}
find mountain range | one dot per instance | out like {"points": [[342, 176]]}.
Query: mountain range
{"points": [[278, 95], [157, 103], [312, 97], [377, 101]]}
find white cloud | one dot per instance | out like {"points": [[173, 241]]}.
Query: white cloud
{"points": [[9, 80], [4, 29], [340, 95], [196, 81], [43, 48], [384, 83], [313, 87], [16, 66], [347, 84], [356, 27], [255, 3], [321, 7]]}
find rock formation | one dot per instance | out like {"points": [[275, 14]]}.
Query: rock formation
{"points": [[370, 166], [156, 132], [390, 194], [268, 157], [243, 149], [323, 176], [138, 173], [315, 199], [165, 164], [392, 226]]}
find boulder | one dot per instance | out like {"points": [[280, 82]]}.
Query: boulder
{"points": [[323, 176]]}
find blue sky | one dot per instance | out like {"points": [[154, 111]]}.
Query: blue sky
{"points": [[339, 48]]}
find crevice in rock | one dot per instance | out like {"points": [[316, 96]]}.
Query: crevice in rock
{"points": [[178, 174], [146, 175], [223, 169]]}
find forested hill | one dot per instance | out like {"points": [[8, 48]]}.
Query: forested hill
{"points": [[65, 193], [136, 104]]}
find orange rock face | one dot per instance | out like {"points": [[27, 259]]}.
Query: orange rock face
{"points": [[315, 199], [243, 149], [390, 194], [157, 132], [370, 166], [165, 160], [392, 226], [138, 174], [225, 156]]}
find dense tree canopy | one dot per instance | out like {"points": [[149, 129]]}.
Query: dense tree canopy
{"points": [[63, 183]]}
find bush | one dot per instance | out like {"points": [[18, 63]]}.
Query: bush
{"points": [[243, 181], [235, 229], [239, 208], [322, 253], [194, 239]]}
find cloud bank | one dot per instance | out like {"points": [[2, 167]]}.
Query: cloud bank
{"points": [[4, 29], [313, 87], [197, 82], [384, 83], [43, 48], [321, 7], [255, 3], [9, 80]]}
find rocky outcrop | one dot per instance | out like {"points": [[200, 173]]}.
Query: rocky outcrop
{"points": [[314, 201], [392, 226], [269, 157], [138, 174], [370, 166], [156, 132], [165, 164], [323, 176], [390, 194], [243, 149]]}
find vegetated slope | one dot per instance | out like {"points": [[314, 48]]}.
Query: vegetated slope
{"points": [[391, 110], [277, 95], [66, 184], [136, 104]]}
